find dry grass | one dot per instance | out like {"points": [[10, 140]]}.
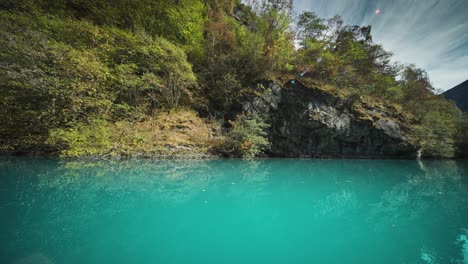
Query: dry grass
{"points": [[175, 132]]}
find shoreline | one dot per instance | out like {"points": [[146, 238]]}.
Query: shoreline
{"points": [[205, 157]]}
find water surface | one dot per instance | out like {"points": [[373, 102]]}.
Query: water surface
{"points": [[232, 211]]}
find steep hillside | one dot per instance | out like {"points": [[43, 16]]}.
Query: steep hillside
{"points": [[459, 94], [310, 121], [171, 78]]}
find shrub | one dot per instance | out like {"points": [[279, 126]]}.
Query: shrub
{"points": [[248, 135], [57, 74], [83, 139]]}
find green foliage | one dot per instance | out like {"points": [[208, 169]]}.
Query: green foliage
{"points": [[273, 24], [72, 69], [249, 136], [462, 138], [438, 128], [310, 27], [345, 57], [436, 119], [244, 49], [60, 73], [179, 21], [82, 139]]}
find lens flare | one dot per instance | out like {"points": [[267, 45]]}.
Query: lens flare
{"points": [[377, 11]]}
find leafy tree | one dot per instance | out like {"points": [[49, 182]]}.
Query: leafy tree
{"points": [[248, 134], [227, 6], [310, 28], [462, 138], [64, 73], [217, 73], [438, 128], [82, 139], [273, 24], [416, 85], [179, 21]]}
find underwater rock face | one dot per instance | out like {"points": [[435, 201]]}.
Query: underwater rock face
{"points": [[309, 122]]}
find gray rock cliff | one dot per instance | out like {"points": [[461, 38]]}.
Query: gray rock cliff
{"points": [[309, 122]]}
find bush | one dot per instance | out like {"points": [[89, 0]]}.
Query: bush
{"points": [[463, 136], [248, 135], [438, 128], [57, 74], [83, 139]]}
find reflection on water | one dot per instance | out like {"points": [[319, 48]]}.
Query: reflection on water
{"points": [[231, 211]]}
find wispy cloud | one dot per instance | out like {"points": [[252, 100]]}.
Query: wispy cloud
{"points": [[433, 34]]}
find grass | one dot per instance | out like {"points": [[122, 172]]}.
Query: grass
{"points": [[170, 133]]}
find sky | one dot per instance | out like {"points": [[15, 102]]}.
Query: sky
{"points": [[432, 34]]}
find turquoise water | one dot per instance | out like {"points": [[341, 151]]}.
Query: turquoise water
{"points": [[232, 211]]}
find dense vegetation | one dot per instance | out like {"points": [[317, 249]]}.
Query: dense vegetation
{"points": [[459, 94], [104, 77]]}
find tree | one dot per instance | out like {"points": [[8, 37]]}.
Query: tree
{"points": [[248, 135], [60, 75], [260, 6], [273, 24], [416, 87], [218, 72], [438, 127], [462, 138], [227, 6], [179, 21], [310, 28]]}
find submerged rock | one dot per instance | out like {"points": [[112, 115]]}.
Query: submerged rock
{"points": [[311, 122]]}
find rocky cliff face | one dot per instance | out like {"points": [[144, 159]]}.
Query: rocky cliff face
{"points": [[309, 122]]}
